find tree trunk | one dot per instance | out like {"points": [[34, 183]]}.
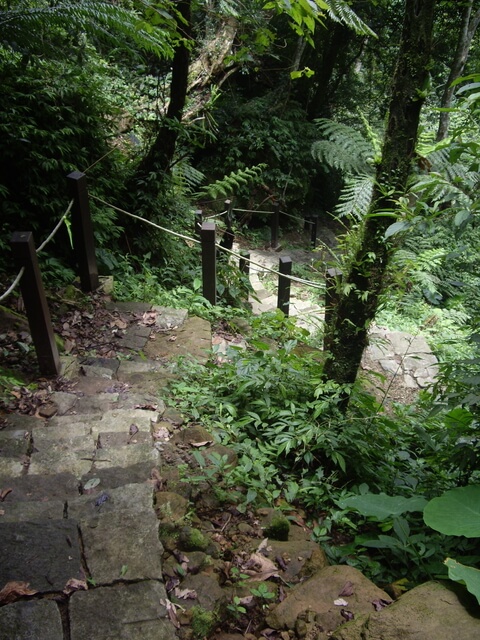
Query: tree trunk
{"points": [[467, 31], [160, 155], [346, 336]]}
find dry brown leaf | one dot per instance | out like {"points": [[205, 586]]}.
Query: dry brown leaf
{"points": [[4, 493], [75, 585], [347, 589], [172, 614], [172, 338], [14, 590], [206, 443], [185, 594]]}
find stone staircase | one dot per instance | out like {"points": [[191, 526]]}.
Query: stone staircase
{"points": [[79, 534]]}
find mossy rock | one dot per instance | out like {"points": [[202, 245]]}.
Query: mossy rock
{"points": [[191, 539], [202, 622], [275, 525]]}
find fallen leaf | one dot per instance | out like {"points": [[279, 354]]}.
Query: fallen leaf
{"points": [[133, 429], [347, 589], [172, 338], [172, 614], [4, 493], [146, 407], [14, 590], [185, 594], [75, 585], [206, 443], [2, 512], [348, 615], [340, 602], [91, 484], [380, 604]]}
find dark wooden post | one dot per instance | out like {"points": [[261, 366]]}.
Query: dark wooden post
{"points": [[209, 262], [285, 268], [313, 231], [244, 265], [82, 232], [35, 302], [274, 225], [197, 221]]}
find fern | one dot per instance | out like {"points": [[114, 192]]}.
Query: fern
{"points": [[344, 148], [228, 185], [102, 20], [340, 11], [355, 197]]}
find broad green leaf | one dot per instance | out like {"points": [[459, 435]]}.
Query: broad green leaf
{"points": [[381, 506], [396, 227], [456, 512], [461, 573]]}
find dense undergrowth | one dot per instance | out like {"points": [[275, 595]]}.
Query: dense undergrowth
{"points": [[297, 450]]}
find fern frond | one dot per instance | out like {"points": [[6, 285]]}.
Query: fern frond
{"points": [[103, 20], [340, 11], [229, 184], [187, 176], [355, 197], [344, 148]]}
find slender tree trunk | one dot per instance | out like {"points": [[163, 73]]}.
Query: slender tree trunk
{"points": [[346, 336], [467, 31], [160, 155]]}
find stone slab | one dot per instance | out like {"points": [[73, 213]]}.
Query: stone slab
{"points": [[123, 612], [40, 488], [18, 421], [119, 476], [68, 433], [65, 402], [111, 364], [12, 467], [126, 456], [169, 318], [37, 619], [128, 307], [193, 339], [121, 545], [99, 403], [44, 554], [120, 420], [33, 511], [57, 460], [134, 498], [15, 443]]}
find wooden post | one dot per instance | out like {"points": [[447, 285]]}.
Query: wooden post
{"points": [[244, 265], [197, 221], [82, 232], [285, 268], [35, 302], [274, 225], [313, 231], [209, 262]]}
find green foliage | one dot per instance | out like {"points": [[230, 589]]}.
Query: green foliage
{"points": [[103, 20], [268, 130], [231, 184], [457, 513], [343, 148]]}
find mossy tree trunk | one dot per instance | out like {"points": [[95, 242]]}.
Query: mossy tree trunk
{"points": [[346, 335]]}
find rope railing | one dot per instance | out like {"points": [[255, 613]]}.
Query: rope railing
{"points": [[309, 283], [50, 237]]}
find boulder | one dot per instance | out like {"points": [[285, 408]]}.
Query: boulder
{"points": [[324, 597], [431, 611]]}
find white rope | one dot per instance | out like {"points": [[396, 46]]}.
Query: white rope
{"points": [[308, 283], [60, 222], [42, 246], [153, 224], [13, 285]]}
